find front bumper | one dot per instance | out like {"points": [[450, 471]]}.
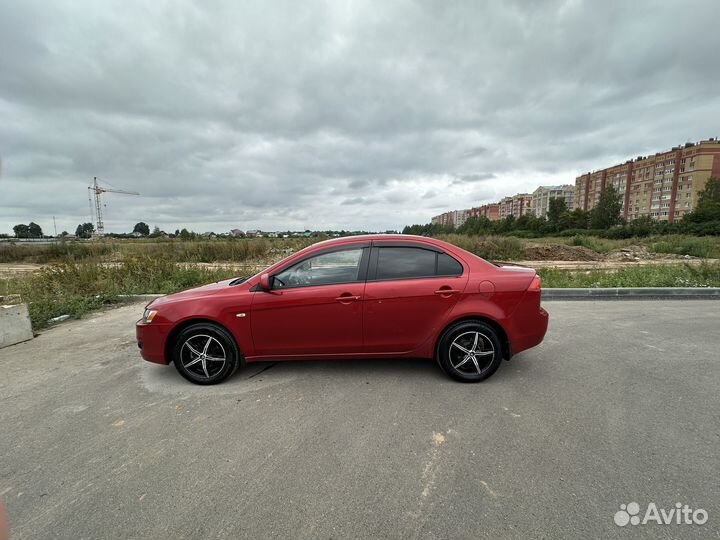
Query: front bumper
{"points": [[151, 339]]}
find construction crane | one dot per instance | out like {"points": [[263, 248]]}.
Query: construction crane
{"points": [[97, 190]]}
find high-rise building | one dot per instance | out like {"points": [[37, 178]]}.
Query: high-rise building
{"points": [[459, 217], [663, 186], [521, 204], [542, 195], [489, 211], [505, 207], [446, 219]]}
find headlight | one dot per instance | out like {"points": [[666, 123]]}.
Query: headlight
{"points": [[149, 315]]}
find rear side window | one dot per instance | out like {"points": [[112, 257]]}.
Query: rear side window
{"points": [[408, 262], [447, 266]]}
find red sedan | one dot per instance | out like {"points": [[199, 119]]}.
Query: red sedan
{"points": [[373, 296]]}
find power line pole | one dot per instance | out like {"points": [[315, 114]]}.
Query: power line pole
{"points": [[55, 226]]}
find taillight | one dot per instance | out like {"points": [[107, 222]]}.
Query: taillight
{"points": [[535, 285]]}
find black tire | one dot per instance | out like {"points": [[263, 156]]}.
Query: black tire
{"points": [[197, 351], [457, 342]]}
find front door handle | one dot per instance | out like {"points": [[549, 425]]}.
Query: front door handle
{"points": [[347, 298]]}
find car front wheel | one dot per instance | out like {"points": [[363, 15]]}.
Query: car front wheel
{"points": [[469, 351], [205, 353]]}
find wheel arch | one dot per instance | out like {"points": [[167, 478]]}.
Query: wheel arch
{"points": [[182, 325], [502, 334]]}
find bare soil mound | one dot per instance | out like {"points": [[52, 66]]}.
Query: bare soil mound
{"points": [[558, 252]]}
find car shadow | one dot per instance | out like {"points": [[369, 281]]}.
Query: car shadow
{"points": [[386, 367], [258, 375]]}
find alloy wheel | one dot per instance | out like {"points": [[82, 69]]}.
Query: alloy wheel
{"points": [[203, 355], [471, 353]]}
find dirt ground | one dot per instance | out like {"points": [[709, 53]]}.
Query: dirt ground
{"points": [[13, 269], [581, 258]]}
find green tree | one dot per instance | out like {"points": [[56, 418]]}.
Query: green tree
{"points": [[708, 205], [556, 208], [156, 232], [528, 222], [84, 230], [34, 230], [577, 219], [185, 234], [522, 223], [21, 230], [142, 228], [606, 213], [475, 225], [642, 226], [505, 225], [429, 229]]}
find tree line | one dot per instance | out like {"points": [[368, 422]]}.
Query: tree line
{"points": [[83, 230], [605, 219]]}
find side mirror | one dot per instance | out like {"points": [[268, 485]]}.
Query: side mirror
{"points": [[265, 282]]}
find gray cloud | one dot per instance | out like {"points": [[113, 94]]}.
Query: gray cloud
{"points": [[345, 115]]}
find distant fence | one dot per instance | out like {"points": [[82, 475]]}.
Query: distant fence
{"points": [[33, 241]]}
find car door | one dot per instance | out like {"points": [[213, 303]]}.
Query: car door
{"points": [[409, 293], [314, 306]]}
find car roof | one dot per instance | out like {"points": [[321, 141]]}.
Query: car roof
{"points": [[378, 237], [367, 238]]}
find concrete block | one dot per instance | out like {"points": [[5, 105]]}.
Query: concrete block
{"points": [[14, 325]]}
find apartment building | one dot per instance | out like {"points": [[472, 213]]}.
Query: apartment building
{"points": [[517, 205], [460, 217], [457, 218], [542, 195], [521, 204], [663, 186], [489, 211], [445, 219], [505, 207]]}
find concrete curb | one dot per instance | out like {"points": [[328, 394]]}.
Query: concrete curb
{"points": [[633, 293]]}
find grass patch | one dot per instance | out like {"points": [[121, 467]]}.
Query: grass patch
{"points": [[592, 243], [77, 288], [60, 251], [679, 275], [205, 250], [492, 248], [696, 246]]}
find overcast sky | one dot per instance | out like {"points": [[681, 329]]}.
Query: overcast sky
{"points": [[337, 114]]}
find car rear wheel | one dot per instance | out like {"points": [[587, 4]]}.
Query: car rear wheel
{"points": [[469, 351], [205, 353]]}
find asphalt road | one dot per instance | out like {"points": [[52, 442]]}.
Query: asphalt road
{"points": [[619, 404]]}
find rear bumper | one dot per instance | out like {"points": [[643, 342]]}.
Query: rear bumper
{"points": [[528, 330], [151, 339]]}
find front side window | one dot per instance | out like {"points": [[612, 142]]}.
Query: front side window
{"points": [[408, 263], [326, 269]]}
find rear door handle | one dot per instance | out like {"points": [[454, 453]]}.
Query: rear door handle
{"points": [[447, 291], [344, 298]]}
